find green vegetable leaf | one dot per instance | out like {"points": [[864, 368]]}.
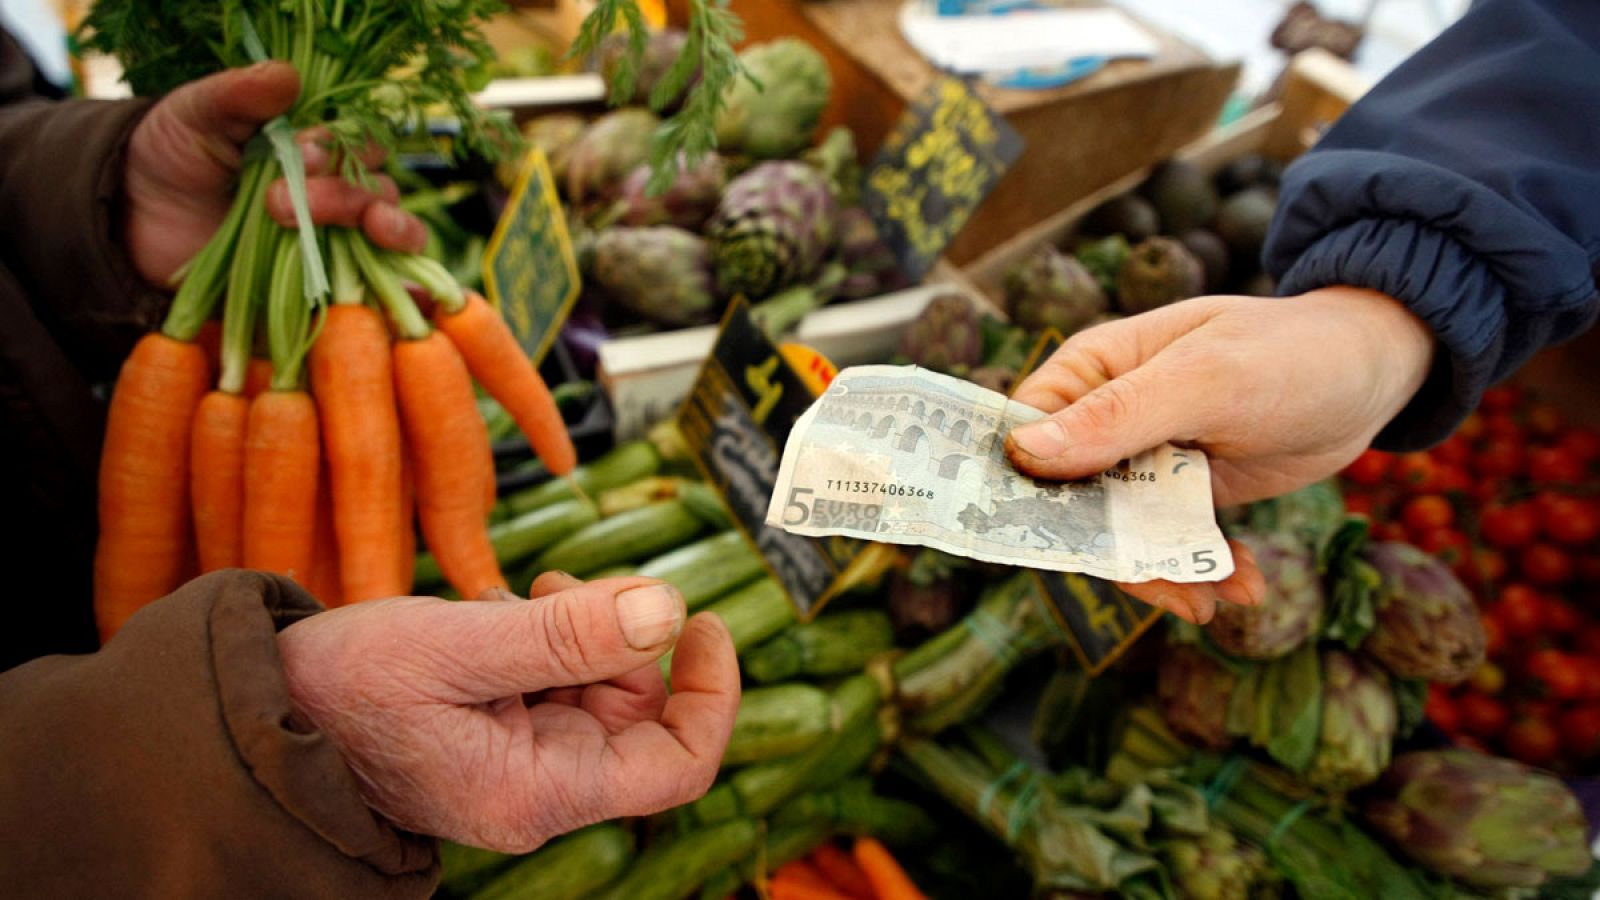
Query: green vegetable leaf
{"points": [[1410, 698], [1352, 584], [1278, 706]]}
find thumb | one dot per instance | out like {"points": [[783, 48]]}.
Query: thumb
{"points": [[235, 103], [1143, 408], [581, 634]]}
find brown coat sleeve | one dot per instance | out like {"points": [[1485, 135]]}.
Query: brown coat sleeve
{"points": [[171, 764], [61, 216]]}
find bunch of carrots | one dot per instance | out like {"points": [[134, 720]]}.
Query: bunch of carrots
{"points": [[314, 460], [868, 872]]}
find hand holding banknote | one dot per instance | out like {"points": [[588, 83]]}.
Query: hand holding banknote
{"points": [[1279, 393]]}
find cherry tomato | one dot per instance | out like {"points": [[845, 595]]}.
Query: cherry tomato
{"points": [[1453, 479], [1560, 617], [1588, 569], [1589, 668], [1503, 426], [1370, 468], [1451, 546], [1570, 521], [1545, 564], [1587, 640], [1487, 567], [1545, 421], [1580, 730], [1486, 490], [1509, 525], [1534, 741], [1494, 635], [1442, 711], [1559, 671], [1553, 465], [1359, 505], [1488, 679], [1520, 611], [1501, 458], [1582, 443], [1425, 513], [1416, 472], [1454, 450], [1482, 715], [1500, 398], [1471, 428], [1390, 531]]}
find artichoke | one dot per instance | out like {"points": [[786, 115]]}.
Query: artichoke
{"points": [[662, 274], [836, 158], [611, 147], [1212, 253], [1216, 865], [773, 113], [947, 337], [1183, 196], [1157, 272], [1359, 719], [1489, 822], [1291, 612], [1103, 258], [1050, 289], [1427, 625], [555, 134], [871, 267], [774, 226], [687, 203], [1193, 689], [661, 50]]}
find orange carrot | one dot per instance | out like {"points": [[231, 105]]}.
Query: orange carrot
{"points": [[837, 866], [798, 880], [323, 581], [447, 438], [216, 478], [408, 519], [281, 458], [499, 363], [889, 881], [352, 377], [144, 478], [490, 476], [258, 377]]}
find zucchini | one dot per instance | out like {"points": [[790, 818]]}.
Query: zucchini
{"points": [[852, 807], [613, 572], [571, 868], [466, 869], [784, 844], [633, 535], [674, 869], [834, 644], [518, 538], [706, 569], [642, 492], [625, 463], [704, 501], [753, 613], [779, 720]]}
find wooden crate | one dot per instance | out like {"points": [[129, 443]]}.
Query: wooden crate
{"points": [[1079, 137]]}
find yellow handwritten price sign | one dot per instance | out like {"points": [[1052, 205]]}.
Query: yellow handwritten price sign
{"points": [[529, 270], [1100, 621], [943, 157], [736, 420]]}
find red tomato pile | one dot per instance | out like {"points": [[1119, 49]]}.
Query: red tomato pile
{"points": [[1510, 502]]}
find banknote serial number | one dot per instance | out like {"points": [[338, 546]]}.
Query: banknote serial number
{"points": [[1120, 475], [886, 488]]}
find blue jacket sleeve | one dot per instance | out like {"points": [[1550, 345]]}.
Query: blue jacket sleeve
{"points": [[1467, 186]]}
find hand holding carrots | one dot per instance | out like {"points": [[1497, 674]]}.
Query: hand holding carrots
{"points": [[505, 722]]}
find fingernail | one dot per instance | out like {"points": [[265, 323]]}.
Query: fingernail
{"points": [[1042, 440], [649, 615]]}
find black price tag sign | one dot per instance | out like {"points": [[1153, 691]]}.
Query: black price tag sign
{"points": [[736, 419], [1100, 620], [529, 270], [934, 169]]}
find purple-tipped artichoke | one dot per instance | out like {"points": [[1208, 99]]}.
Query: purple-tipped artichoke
{"points": [[611, 147], [1489, 822], [1427, 625], [555, 134], [663, 274], [1050, 289], [774, 226], [1216, 865], [1194, 689], [869, 263], [774, 113], [1359, 719], [661, 50], [687, 204], [1291, 612], [947, 337], [1157, 272]]}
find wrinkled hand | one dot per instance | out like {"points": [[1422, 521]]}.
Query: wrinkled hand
{"points": [[1278, 392], [184, 157], [502, 723]]}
